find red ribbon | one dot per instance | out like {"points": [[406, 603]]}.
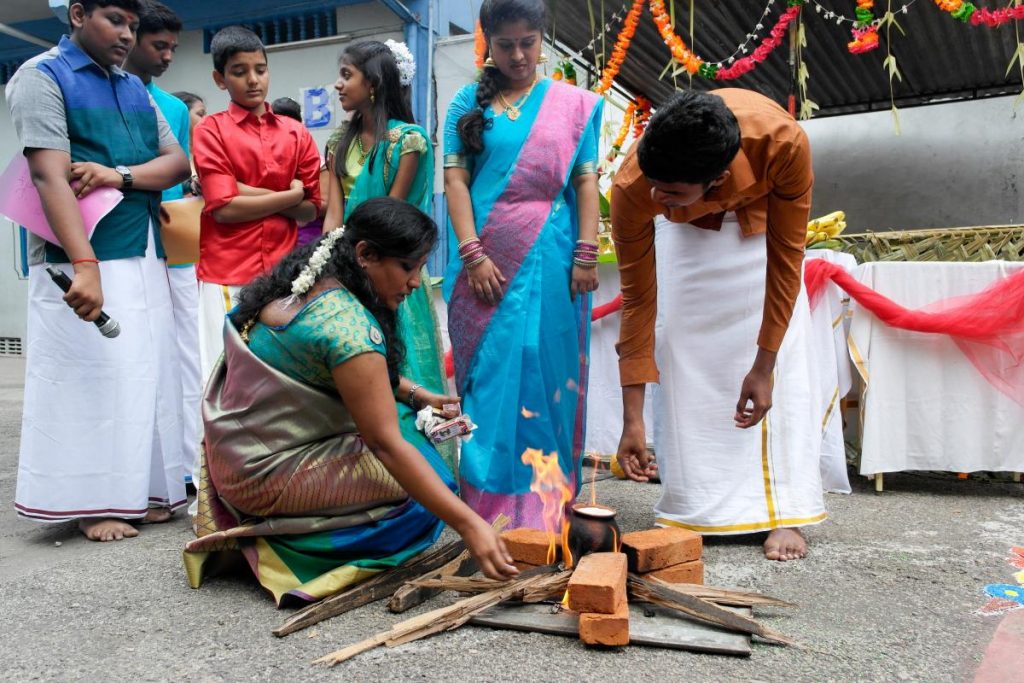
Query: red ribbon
{"points": [[988, 326]]}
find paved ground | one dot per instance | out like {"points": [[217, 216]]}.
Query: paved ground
{"points": [[888, 593]]}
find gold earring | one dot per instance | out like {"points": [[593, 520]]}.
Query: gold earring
{"points": [[489, 63], [543, 59], [373, 98]]}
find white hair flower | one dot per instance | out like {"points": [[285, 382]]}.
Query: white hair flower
{"points": [[308, 277], [404, 59]]}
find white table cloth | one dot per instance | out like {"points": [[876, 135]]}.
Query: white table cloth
{"points": [[926, 407], [830, 359]]}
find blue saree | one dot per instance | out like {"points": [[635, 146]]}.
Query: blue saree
{"points": [[521, 366]]}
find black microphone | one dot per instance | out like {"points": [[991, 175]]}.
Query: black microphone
{"points": [[107, 327]]}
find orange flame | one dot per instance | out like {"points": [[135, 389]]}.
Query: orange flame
{"points": [[549, 483]]}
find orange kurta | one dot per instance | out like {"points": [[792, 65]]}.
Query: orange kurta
{"points": [[769, 189]]}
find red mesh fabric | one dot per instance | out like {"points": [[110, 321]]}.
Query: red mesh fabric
{"points": [[988, 326]]}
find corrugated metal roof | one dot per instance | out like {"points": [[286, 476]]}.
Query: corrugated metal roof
{"points": [[939, 57]]}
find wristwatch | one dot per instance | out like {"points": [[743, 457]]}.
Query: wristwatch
{"points": [[126, 176]]}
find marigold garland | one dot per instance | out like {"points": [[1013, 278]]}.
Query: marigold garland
{"points": [[642, 115], [695, 65], [865, 31], [479, 46], [627, 122], [636, 116], [622, 42]]}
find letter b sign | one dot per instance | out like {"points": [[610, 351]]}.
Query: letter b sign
{"points": [[316, 109]]}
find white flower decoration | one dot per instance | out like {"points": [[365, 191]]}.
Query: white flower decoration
{"points": [[404, 59], [308, 277]]}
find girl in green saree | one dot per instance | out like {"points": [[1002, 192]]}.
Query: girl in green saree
{"points": [[307, 470], [381, 152]]}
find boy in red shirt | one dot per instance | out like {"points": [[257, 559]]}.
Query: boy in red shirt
{"points": [[260, 176]]}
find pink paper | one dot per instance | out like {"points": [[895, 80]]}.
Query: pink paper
{"points": [[19, 201]]}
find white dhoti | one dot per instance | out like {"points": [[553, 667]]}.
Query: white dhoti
{"points": [[185, 304], [214, 303], [101, 430], [717, 478]]}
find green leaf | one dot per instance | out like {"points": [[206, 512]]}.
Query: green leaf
{"points": [[889, 19], [889, 64], [896, 120], [807, 109], [1018, 100], [801, 35], [605, 207], [1017, 55], [668, 66], [802, 74]]}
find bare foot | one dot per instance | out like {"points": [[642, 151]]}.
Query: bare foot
{"points": [[157, 516], [106, 529], [785, 544]]}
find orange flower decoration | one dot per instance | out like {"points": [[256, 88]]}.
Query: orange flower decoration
{"points": [[621, 47], [479, 46], [675, 44], [643, 115]]}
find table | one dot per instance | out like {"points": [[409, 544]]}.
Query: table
{"points": [[925, 406]]}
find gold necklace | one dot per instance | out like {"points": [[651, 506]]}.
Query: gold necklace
{"points": [[514, 110], [362, 152]]}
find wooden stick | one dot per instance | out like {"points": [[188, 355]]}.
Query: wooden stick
{"points": [[724, 596], [409, 595], [415, 593], [450, 617], [377, 588], [702, 610], [477, 584], [462, 584]]}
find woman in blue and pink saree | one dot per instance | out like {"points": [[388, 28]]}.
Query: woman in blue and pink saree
{"points": [[307, 470], [520, 175]]}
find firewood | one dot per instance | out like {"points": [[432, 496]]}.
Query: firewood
{"points": [[376, 588], [479, 584], [701, 610], [410, 595], [724, 596], [453, 616]]}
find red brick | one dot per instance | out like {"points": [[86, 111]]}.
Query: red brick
{"points": [[598, 583], [655, 549], [530, 545], [606, 629], [524, 566], [685, 572]]}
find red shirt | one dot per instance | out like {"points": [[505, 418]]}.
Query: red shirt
{"points": [[268, 152]]}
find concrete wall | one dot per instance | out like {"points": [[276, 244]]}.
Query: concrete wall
{"points": [[955, 164]]}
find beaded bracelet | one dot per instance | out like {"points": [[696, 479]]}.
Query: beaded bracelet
{"points": [[412, 395]]}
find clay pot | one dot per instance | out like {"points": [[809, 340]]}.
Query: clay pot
{"points": [[592, 529]]}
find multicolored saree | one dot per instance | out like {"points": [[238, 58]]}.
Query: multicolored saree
{"points": [[417, 320], [521, 366], [320, 511]]}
